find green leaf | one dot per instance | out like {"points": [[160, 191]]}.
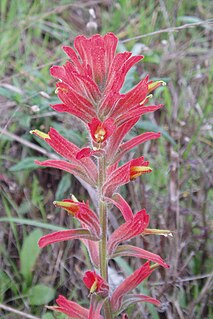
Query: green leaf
{"points": [[189, 19], [152, 58], [29, 254], [47, 315], [5, 284], [35, 223], [63, 186], [26, 163], [40, 295]]}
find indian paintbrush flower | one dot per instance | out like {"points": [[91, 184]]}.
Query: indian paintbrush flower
{"points": [[89, 89]]}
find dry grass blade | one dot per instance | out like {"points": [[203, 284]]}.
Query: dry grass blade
{"points": [[208, 22], [18, 312]]}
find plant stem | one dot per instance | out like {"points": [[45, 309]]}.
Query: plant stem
{"points": [[103, 241], [104, 225]]}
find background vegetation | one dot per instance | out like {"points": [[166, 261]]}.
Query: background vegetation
{"points": [[177, 194]]}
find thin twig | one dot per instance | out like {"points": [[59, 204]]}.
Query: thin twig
{"points": [[18, 312], [172, 29], [191, 278], [204, 291], [27, 143]]}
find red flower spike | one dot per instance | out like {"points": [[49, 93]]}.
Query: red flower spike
{"points": [[128, 250], [70, 308], [99, 131], [128, 230], [96, 283], [64, 235], [82, 212], [129, 284], [89, 89]]}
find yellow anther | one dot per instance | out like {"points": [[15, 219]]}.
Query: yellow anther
{"points": [[58, 89], [74, 198], [136, 171], [152, 86], [154, 266], [70, 207], [39, 134], [93, 287], [145, 100], [100, 135], [160, 232]]}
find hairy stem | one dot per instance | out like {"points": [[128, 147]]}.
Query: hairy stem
{"points": [[104, 225]]}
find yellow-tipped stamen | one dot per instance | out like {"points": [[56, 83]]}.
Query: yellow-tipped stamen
{"points": [[71, 208], [58, 89], [93, 287], [154, 266], [74, 198], [136, 171], [39, 134], [146, 99], [152, 86], [160, 232]]}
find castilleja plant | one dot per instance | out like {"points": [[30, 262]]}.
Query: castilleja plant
{"points": [[89, 89]]}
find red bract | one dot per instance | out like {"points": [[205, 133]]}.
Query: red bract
{"points": [[82, 212], [84, 169], [131, 283], [122, 205], [96, 283], [128, 230], [75, 311], [64, 235], [90, 82], [114, 148], [122, 175], [70, 308], [128, 250]]}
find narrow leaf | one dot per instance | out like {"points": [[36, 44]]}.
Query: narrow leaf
{"points": [[29, 254]]}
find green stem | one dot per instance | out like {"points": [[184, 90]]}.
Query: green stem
{"points": [[104, 225], [103, 241]]}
